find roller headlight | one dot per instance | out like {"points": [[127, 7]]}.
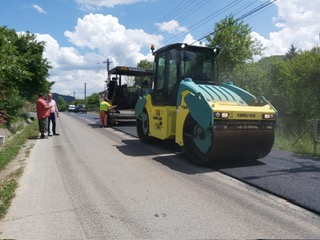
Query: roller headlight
{"points": [[268, 116], [221, 115]]}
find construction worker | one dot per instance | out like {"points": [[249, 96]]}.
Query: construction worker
{"points": [[105, 106]]}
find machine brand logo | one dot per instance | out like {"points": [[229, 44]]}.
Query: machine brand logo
{"points": [[246, 115]]}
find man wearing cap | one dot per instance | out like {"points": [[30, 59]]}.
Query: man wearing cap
{"points": [[43, 112]]}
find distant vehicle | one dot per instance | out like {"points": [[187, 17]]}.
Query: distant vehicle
{"points": [[80, 108], [71, 108]]}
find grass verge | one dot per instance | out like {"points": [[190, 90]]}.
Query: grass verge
{"points": [[7, 191], [11, 149], [8, 152], [292, 142]]}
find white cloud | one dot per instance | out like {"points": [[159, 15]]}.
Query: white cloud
{"points": [[39, 9], [106, 3], [299, 24], [71, 69], [171, 27], [111, 39], [189, 39], [102, 37]]}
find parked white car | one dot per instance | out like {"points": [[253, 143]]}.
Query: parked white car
{"points": [[71, 108]]}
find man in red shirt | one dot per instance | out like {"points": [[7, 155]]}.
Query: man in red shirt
{"points": [[43, 113]]}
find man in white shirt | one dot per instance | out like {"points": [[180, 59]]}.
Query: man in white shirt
{"points": [[53, 112]]}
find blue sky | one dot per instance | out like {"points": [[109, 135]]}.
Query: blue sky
{"points": [[81, 34]]}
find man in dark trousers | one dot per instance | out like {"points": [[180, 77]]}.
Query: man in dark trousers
{"points": [[43, 112], [53, 113]]}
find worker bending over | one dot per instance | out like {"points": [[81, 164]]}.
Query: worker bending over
{"points": [[105, 106]]}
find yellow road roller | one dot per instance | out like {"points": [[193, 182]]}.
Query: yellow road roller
{"points": [[210, 121]]}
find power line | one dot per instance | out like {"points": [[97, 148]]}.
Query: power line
{"points": [[184, 7], [189, 6], [210, 17], [176, 11], [172, 13], [179, 12], [235, 13], [256, 10], [260, 7]]}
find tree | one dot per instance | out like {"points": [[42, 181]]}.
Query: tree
{"points": [[93, 101], [37, 68], [146, 65], [62, 105], [10, 71], [292, 52], [236, 43], [296, 85], [23, 70], [252, 78]]}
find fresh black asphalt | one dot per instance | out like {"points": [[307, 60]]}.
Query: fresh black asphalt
{"points": [[293, 177]]}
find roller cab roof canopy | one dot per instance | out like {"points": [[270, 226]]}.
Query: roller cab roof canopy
{"points": [[131, 71]]}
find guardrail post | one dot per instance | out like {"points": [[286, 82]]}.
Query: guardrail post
{"points": [[315, 136], [2, 139]]}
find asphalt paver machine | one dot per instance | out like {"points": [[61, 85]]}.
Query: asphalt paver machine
{"points": [[124, 90]]}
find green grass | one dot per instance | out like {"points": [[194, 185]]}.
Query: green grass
{"points": [[296, 143], [8, 152], [7, 191], [11, 149]]}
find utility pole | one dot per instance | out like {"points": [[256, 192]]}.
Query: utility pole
{"points": [[108, 68], [85, 92]]}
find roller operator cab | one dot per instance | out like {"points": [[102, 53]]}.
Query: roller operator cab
{"points": [[210, 122]]}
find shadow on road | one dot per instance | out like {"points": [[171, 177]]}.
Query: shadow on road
{"points": [[170, 155], [306, 157], [235, 163], [179, 163], [134, 147], [94, 125]]}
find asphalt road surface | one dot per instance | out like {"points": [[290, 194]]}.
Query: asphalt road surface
{"points": [[101, 183], [293, 177]]}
